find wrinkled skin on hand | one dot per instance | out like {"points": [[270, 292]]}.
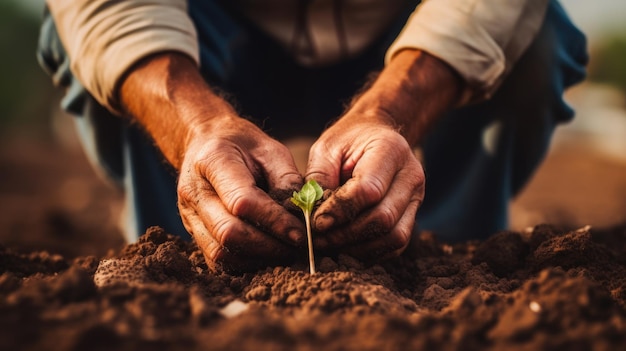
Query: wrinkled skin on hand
{"points": [[380, 185], [228, 167], [367, 157], [222, 202]]}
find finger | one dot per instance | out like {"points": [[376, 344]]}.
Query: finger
{"points": [[390, 245], [218, 257], [225, 238], [236, 187], [210, 217], [406, 191], [370, 181], [281, 174], [279, 168], [324, 166]]}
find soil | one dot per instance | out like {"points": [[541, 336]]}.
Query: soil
{"points": [[539, 290], [67, 282]]}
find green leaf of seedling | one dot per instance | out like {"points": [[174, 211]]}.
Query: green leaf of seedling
{"points": [[305, 199]]}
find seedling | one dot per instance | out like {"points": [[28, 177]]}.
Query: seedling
{"points": [[305, 199]]}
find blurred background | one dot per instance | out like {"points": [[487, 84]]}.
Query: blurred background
{"points": [[583, 179], [50, 198]]}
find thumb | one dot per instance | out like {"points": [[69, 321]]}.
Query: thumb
{"points": [[323, 167]]}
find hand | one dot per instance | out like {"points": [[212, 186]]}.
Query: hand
{"points": [[380, 187], [223, 196], [367, 156], [227, 166]]}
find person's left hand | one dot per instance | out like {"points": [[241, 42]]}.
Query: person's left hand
{"points": [[367, 157], [379, 182]]}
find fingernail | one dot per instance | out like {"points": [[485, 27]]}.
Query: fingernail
{"points": [[324, 222]]}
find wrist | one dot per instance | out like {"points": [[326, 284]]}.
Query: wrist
{"points": [[168, 97], [412, 91]]}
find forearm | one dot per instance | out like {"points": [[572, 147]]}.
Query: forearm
{"points": [[105, 38], [222, 160], [168, 97], [412, 91], [481, 39]]}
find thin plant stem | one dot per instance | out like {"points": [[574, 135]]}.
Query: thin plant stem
{"points": [[309, 238]]}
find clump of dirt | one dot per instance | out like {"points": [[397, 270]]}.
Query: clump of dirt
{"points": [[539, 290]]}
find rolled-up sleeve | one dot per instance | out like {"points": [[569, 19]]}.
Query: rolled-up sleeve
{"points": [[480, 39], [104, 38]]}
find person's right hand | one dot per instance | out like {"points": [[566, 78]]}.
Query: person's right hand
{"points": [[223, 196], [227, 166]]}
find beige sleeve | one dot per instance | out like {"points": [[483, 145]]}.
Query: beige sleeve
{"points": [[480, 39], [104, 38]]}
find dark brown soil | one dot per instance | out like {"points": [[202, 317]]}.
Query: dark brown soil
{"points": [[67, 282], [541, 290]]}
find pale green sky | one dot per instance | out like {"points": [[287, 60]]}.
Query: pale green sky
{"points": [[32, 6]]}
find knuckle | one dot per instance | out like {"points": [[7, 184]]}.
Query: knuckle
{"points": [[412, 178], [186, 192], [373, 189], [237, 203], [319, 147], [419, 178], [279, 149], [394, 143], [225, 232]]}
